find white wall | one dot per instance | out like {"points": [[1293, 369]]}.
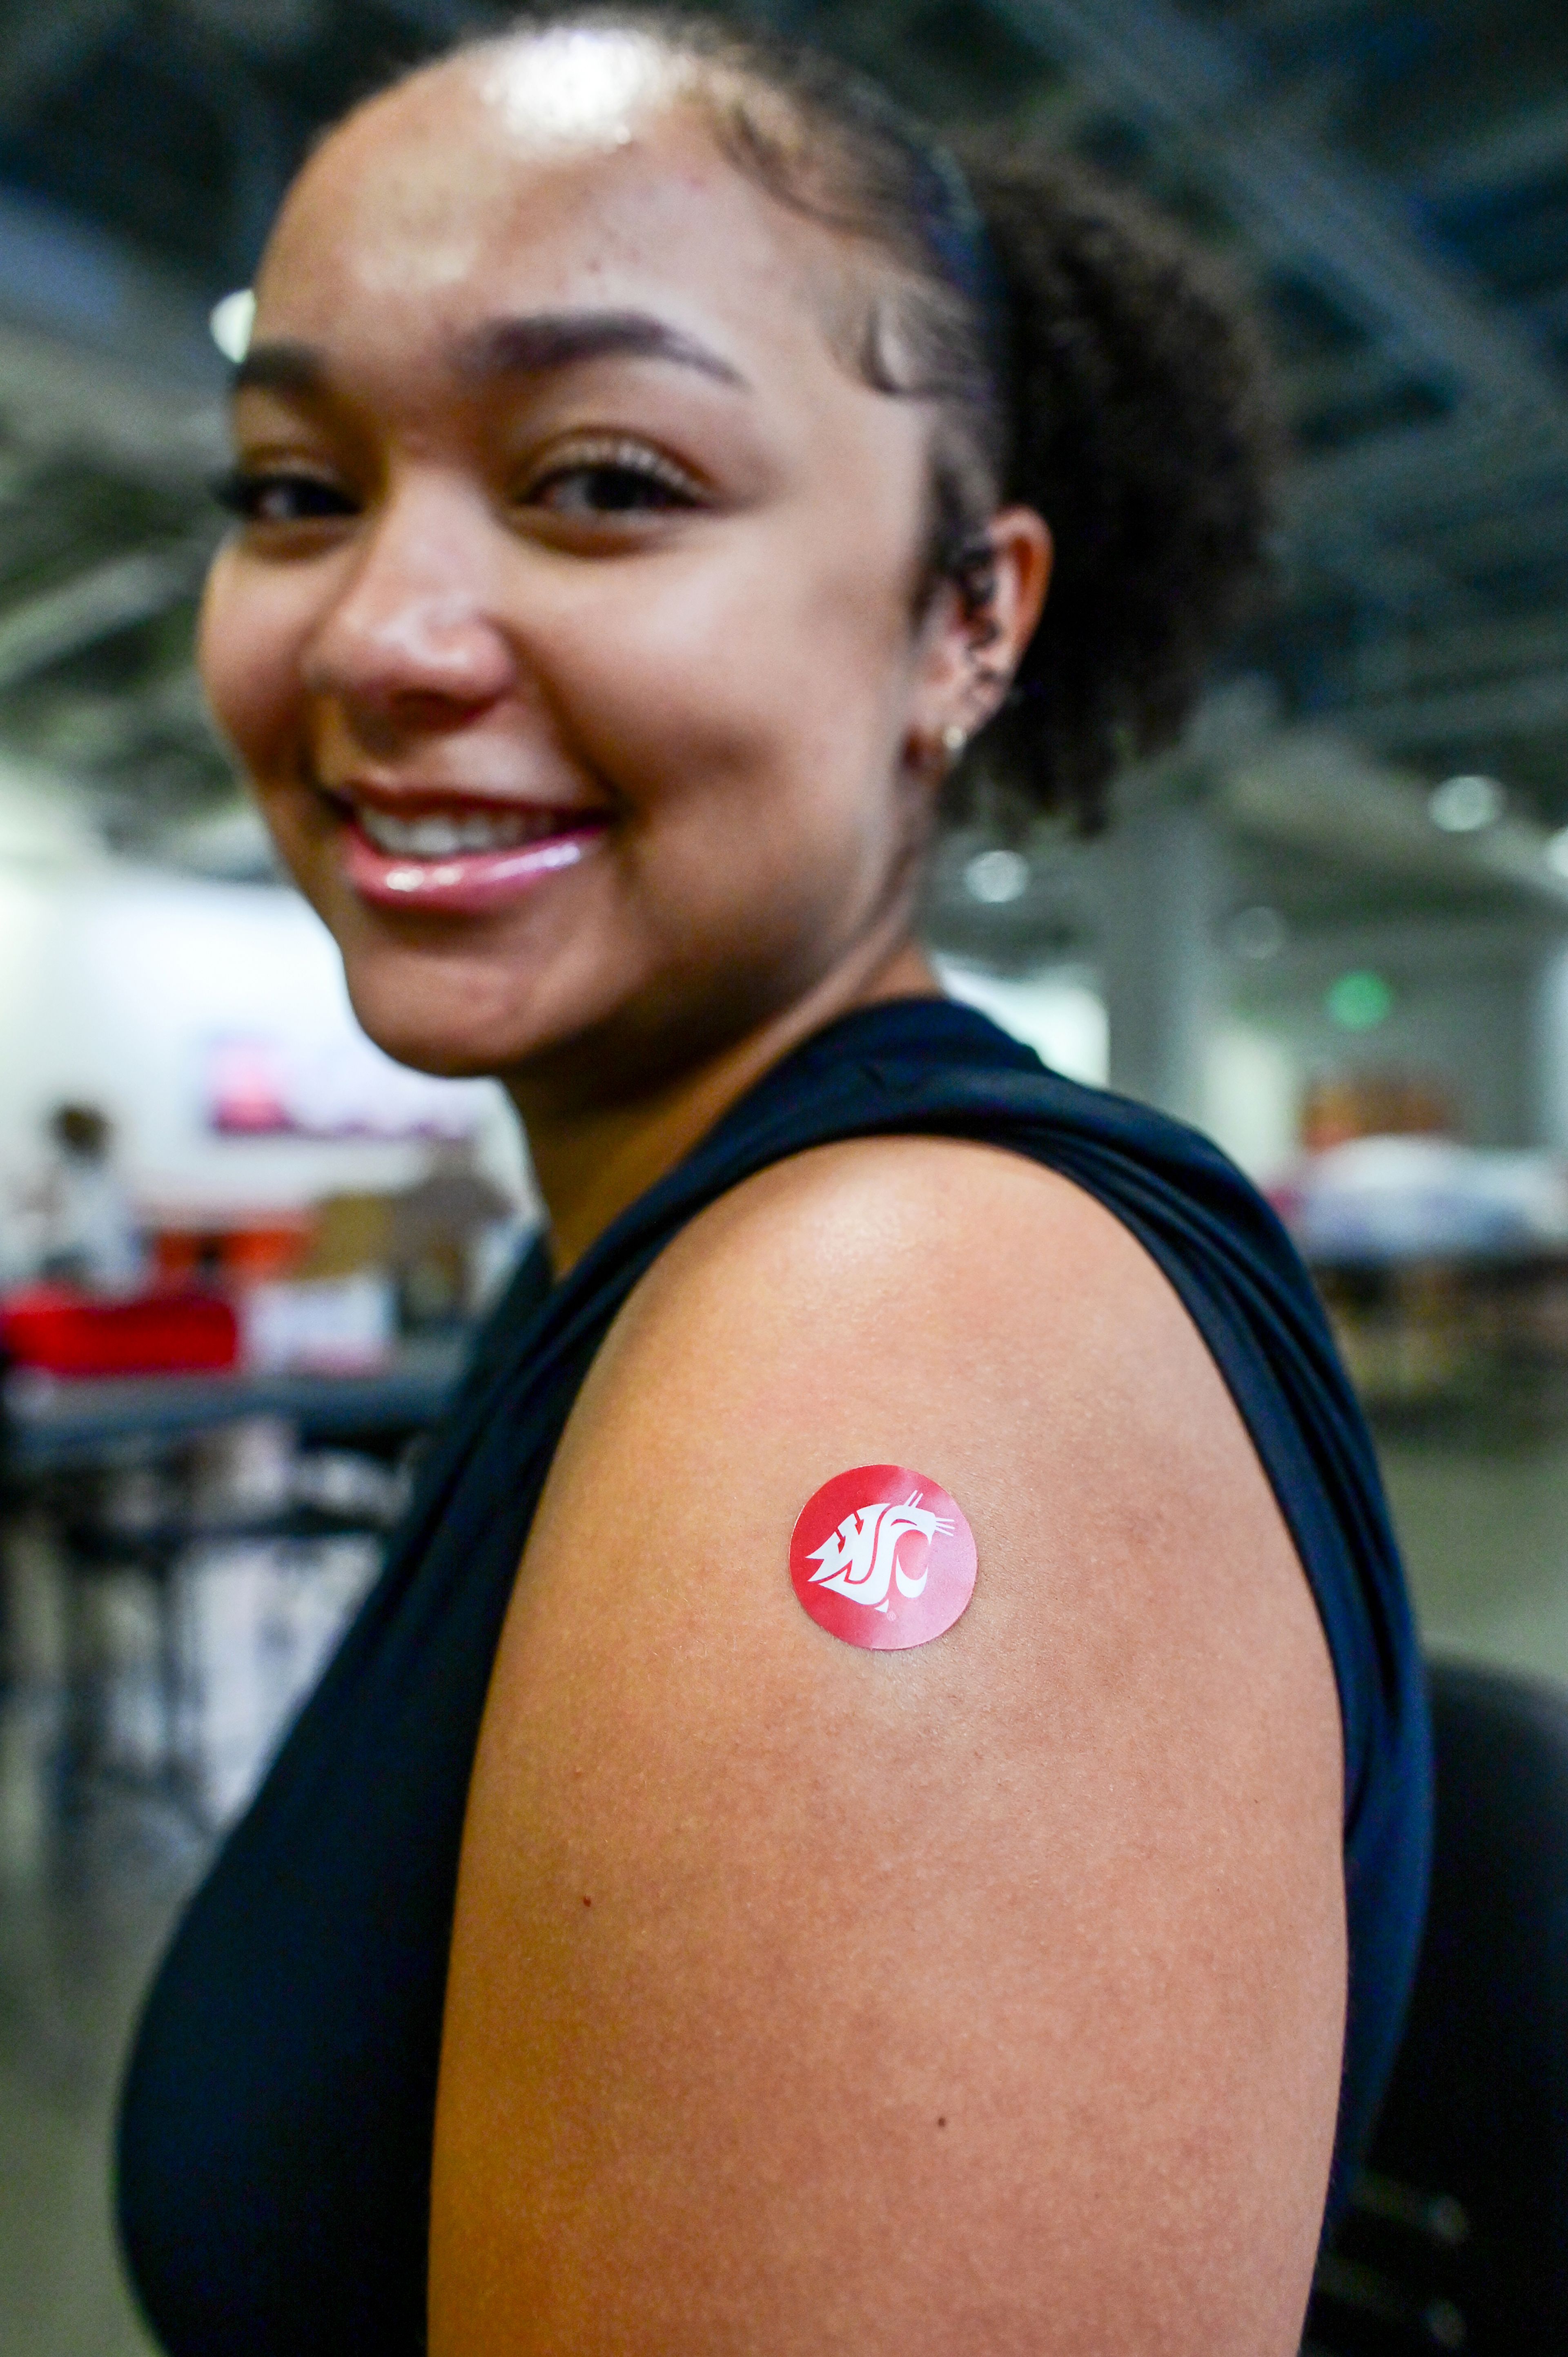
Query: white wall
{"points": [[1464, 1013], [1060, 1014], [114, 980], [1252, 1083], [1253, 1090]]}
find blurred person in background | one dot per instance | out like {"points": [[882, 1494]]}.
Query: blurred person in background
{"points": [[652, 458], [87, 1230], [444, 1233]]}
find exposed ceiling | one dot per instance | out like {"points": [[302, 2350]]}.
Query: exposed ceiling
{"points": [[1391, 175]]}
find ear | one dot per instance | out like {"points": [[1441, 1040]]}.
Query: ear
{"points": [[974, 637]]}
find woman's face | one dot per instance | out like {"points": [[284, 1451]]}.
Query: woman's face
{"points": [[570, 637]]}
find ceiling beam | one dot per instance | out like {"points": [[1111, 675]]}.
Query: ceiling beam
{"points": [[1450, 461], [445, 21], [1534, 705], [1273, 16], [1176, 75], [110, 596], [1348, 514], [40, 48], [1521, 148], [1366, 374], [69, 279], [1318, 792], [1477, 652], [56, 403], [1360, 515]]}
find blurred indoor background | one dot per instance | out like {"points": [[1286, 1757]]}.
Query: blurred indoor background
{"points": [[1332, 928]]}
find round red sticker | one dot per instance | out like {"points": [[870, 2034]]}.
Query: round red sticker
{"points": [[882, 1557]]}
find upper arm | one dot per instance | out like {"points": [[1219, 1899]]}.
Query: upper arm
{"points": [[983, 1996]]}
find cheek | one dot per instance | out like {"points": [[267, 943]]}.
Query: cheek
{"points": [[749, 715], [249, 643], [770, 679]]}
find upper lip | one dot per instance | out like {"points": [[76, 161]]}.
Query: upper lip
{"points": [[418, 800]]}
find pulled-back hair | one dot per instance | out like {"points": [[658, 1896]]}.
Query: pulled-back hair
{"points": [[1084, 359]]}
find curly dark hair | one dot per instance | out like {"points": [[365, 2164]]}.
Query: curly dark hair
{"points": [[1143, 428], [1086, 360]]}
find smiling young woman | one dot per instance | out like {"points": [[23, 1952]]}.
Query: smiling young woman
{"points": [[650, 463]]}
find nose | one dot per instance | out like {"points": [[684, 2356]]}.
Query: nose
{"points": [[413, 637]]}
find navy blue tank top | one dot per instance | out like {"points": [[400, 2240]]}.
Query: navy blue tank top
{"points": [[277, 2126]]}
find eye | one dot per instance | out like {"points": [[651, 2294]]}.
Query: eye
{"points": [[278, 497], [612, 478]]}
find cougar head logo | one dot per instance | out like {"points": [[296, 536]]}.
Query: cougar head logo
{"points": [[860, 1559]]}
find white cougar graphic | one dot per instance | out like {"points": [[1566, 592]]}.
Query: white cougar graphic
{"points": [[860, 1559]]}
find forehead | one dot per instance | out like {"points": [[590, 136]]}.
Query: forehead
{"points": [[522, 179]]}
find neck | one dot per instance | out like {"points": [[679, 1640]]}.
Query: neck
{"points": [[593, 1159]]}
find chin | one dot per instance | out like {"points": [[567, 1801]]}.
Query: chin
{"points": [[442, 1057], [434, 1025], [463, 1018], [465, 1001]]}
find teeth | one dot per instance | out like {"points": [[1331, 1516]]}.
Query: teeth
{"points": [[445, 838], [434, 838]]}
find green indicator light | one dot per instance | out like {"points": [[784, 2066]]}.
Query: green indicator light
{"points": [[1360, 1001]]}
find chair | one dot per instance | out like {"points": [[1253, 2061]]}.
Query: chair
{"points": [[1458, 2233]]}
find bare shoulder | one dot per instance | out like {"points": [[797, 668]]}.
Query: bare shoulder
{"points": [[961, 1309], [999, 1285], [987, 1993]]}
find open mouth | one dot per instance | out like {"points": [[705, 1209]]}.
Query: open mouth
{"points": [[459, 856], [446, 838]]}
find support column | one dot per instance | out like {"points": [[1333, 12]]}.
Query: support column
{"points": [[1548, 1080], [1164, 885]]}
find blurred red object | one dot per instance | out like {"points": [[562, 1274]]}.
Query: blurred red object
{"points": [[65, 1333], [244, 1251]]}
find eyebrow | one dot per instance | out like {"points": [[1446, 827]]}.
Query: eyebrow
{"points": [[541, 340], [280, 367], [531, 344]]}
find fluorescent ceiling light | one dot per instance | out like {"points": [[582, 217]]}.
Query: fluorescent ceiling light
{"points": [[997, 875], [1467, 804], [231, 322]]}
